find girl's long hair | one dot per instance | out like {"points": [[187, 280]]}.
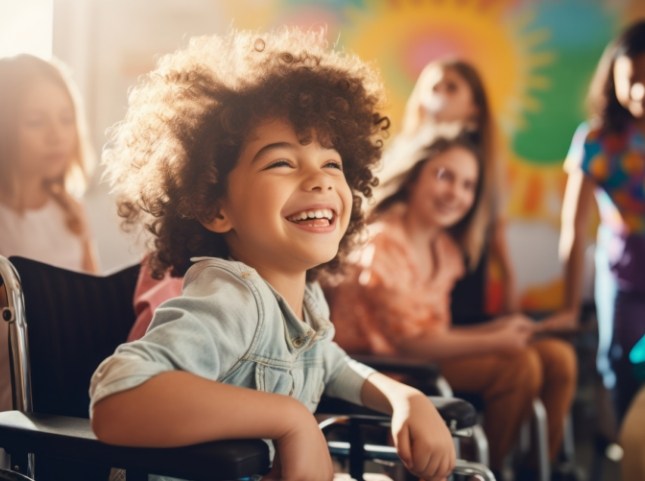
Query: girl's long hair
{"points": [[482, 132], [18, 74], [602, 103]]}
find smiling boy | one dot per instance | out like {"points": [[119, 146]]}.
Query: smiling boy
{"points": [[247, 157]]}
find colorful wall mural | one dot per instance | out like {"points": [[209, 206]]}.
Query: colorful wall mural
{"points": [[536, 58]]}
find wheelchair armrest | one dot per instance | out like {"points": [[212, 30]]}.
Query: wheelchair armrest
{"points": [[399, 365], [61, 435], [457, 413]]}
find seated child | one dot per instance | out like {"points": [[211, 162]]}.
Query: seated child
{"points": [[247, 157], [394, 298]]}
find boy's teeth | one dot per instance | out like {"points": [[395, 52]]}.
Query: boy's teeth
{"points": [[313, 214]]}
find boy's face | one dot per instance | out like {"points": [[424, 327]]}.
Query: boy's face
{"points": [[287, 205]]}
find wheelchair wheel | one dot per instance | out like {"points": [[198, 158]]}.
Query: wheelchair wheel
{"points": [[6, 475]]}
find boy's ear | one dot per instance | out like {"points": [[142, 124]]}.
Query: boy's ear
{"points": [[220, 223]]}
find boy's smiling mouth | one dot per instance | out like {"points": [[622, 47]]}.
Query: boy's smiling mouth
{"points": [[313, 217]]}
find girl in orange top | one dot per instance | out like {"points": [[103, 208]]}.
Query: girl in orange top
{"points": [[449, 96], [394, 299]]}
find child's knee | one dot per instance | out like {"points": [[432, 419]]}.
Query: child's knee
{"points": [[523, 372], [567, 363], [531, 372], [560, 361]]}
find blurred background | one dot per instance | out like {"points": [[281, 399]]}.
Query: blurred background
{"points": [[536, 57]]}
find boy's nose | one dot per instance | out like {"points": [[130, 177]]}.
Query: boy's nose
{"points": [[318, 182], [320, 187]]}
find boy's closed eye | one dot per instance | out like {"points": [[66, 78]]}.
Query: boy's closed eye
{"points": [[278, 163], [334, 164]]}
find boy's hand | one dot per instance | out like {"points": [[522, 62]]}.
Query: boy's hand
{"points": [[302, 452], [422, 439]]}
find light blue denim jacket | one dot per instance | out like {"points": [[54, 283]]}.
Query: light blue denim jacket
{"points": [[231, 326]]}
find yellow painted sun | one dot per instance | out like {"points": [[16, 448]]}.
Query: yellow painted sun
{"points": [[500, 41]]}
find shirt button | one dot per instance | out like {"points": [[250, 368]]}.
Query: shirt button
{"points": [[298, 341]]}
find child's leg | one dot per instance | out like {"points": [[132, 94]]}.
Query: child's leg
{"points": [[560, 373], [508, 383]]}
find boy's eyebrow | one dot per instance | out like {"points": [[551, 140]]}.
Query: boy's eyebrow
{"points": [[269, 147]]}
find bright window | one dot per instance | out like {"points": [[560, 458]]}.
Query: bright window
{"points": [[26, 26]]}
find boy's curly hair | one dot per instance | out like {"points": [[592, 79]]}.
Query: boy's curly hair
{"points": [[169, 159]]}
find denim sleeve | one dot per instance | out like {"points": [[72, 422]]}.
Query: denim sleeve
{"points": [[344, 377], [205, 331]]}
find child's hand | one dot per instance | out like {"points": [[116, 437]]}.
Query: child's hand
{"points": [[302, 452], [422, 439], [565, 321], [513, 332]]}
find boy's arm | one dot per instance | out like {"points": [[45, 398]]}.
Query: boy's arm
{"points": [[421, 437], [177, 408]]}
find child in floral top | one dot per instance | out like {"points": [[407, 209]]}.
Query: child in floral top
{"points": [[606, 162]]}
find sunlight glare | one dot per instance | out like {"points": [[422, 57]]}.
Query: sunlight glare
{"points": [[26, 26]]}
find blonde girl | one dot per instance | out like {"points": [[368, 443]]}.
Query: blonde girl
{"points": [[45, 158], [44, 161]]}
